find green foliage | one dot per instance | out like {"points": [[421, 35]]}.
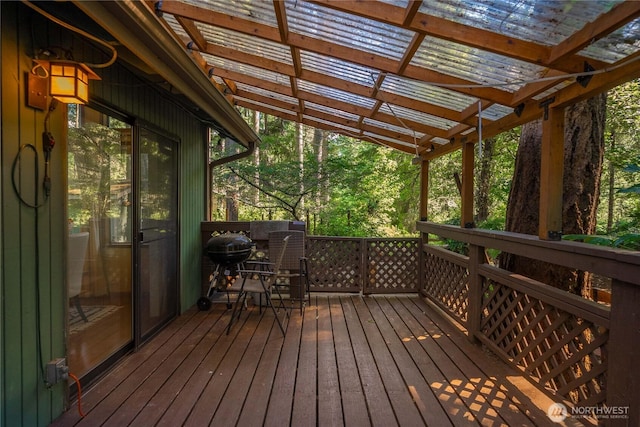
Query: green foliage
{"points": [[626, 241], [360, 189], [620, 180]]}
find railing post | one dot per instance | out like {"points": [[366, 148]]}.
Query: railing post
{"points": [[474, 296], [364, 265], [623, 381]]}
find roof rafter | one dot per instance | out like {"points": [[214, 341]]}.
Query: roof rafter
{"points": [[331, 49], [405, 76]]}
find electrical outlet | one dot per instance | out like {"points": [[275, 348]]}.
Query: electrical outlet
{"points": [[57, 370]]}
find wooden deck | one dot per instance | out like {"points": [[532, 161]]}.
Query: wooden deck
{"points": [[350, 360]]}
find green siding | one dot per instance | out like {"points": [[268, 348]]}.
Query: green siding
{"points": [[25, 399]]}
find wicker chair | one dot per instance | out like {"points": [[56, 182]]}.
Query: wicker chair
{"points": [[294, 274]]}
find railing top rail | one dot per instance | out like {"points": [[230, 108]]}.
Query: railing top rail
{"points": [[615, 263]]}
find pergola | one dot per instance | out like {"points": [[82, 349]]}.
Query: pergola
{"points": [[424, 78]]}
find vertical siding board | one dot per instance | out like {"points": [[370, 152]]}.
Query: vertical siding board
{"points": [[11, 333], [26, 399], [57, 258]]}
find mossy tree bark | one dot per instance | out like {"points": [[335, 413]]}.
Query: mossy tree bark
{"points": [[583, 160]]}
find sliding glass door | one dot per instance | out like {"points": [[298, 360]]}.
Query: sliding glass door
{"points": [[122, 246], [99, 256], [158, 231]]}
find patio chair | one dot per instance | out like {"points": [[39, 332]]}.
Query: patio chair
{"points": [[258, 277], [294, 276]]}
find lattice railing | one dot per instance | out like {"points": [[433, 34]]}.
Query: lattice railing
{"points": [[392, 265], [562, 351], [446, 280], [335, 264]]}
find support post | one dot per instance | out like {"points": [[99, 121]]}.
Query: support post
{"points": [[551, 174], [474, 296], [468, 157], [623, 383]]}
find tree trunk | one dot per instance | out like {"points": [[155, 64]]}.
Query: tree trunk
{"points": [[231, 199], [256, 156], [583, 157], [300, 157], [484, 180], [612, 186]]}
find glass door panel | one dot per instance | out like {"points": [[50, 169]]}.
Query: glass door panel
{"points": [[99, 257], [158, 249]]}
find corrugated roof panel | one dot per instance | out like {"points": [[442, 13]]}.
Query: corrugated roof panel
{"points": [[619, 44], [393, 128], [347, 30], [544, 22], [496, 112], [246, 43], [554, 89], [336, 94], [338, 68], [400, 3], [472, 64], [350, 130], [257, 11], [248, 70], [381, 139], [175, 26], [417, 116], [440, 141], [267, 93], [264, 106], [332, 111], [422, 91]]}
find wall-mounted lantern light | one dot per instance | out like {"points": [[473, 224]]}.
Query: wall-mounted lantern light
{"points": [[69, 81]]}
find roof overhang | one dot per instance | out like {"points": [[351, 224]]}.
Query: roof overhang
{"points": [[137, 28]]}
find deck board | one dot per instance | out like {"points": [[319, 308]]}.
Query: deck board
{"points": [[329, 404], [352, 394], [348, 360]]}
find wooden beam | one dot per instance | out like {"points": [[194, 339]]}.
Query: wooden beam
{"points": [[532, 89], [247, 58], [617, 74], [459, 85], [551, 174], [366, 59], [208, 16], [468, 155], [410, 12], [458, 33], [190, 28], [617, 17]]}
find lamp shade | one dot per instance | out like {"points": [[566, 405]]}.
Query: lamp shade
{"points": [[69, 81]]}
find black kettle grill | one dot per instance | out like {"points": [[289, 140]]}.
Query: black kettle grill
{"points": [[229, 249], [226, 251]]}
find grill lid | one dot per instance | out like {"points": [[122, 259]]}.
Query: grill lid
{"points": [[229, 248]]}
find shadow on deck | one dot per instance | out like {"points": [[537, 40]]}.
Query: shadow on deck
{"points": [[350, 360]]}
